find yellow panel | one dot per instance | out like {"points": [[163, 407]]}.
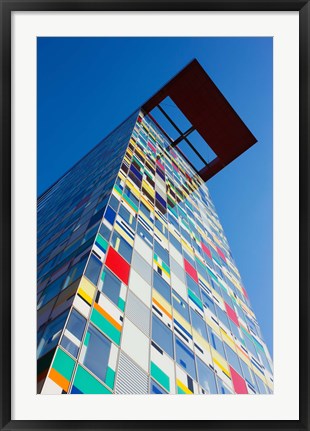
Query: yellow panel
{"points": [[123, 234], [132, 188], [182, 321], [148, 188], [162, 301], [213, 325], [218, 297], [183, 387], [87, 286], [243, 356], [228, 340], [205, 281], [190, 251], [147, 203], [86, 289], [197, 337], [220, 362], [122, 176]]}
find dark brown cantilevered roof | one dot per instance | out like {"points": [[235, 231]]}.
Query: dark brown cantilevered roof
{"points": [[199, 99]]}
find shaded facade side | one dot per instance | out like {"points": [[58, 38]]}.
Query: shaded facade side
{"points": [[69, 214], [158, 305]]}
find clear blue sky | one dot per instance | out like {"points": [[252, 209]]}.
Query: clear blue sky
{"points": [[87, 86]]}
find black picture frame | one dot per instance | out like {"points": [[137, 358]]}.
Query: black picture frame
{"points": [[6, 8]]}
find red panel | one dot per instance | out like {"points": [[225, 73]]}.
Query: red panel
{"points": [[202, 103], [245, 292], [118, 265], [190, 270], [221, 254], [238, 381], [206, 250], [162, 167], [231, 314]]}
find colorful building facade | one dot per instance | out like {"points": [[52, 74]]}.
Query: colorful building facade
{"points": [[138, 292]]}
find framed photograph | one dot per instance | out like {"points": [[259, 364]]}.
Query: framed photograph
{"points": [[154, 215]]}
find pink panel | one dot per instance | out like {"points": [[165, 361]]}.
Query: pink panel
{"points": [[206, 250], [245, 292], [162, 167], [238, 381], [221, 254], [231, 314], [191, 270]]}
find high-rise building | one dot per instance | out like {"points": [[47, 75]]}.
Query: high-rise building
{"points": [[138, 292]]}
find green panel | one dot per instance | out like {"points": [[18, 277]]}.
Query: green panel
{"points": [[160, 376], [118, 189], [105, 326], [180, 391], [102, 242], [166, 267], [87, 384], [256, 343], [195, 299], [129, 201], [121, 304], [63, 364], [110, 377], [200, 263]]}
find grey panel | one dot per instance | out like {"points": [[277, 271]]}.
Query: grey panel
{"points": [[138, 313], [177, 269], [142, 268], [130, 378]]}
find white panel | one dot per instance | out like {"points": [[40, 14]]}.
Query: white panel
{"points": [[166, 364], [143, 249], [99, 252], [140, 287], [81, 306], [110, 308], [184, 378], [135, 344], [176, 255], [50, 388], [179, 286]]}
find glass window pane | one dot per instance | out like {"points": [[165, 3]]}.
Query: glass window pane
{"points": [[180, 305], [93, 269], [216, 342], [161, 252], [111, 285], [162, 336], [199, 324], [156, 389], [98, 352], [76, 324], [232, 359], [206, 377], [162, 286], [185, 358], [192, 285], [223, 389], [208, 302], [121, 246]]}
